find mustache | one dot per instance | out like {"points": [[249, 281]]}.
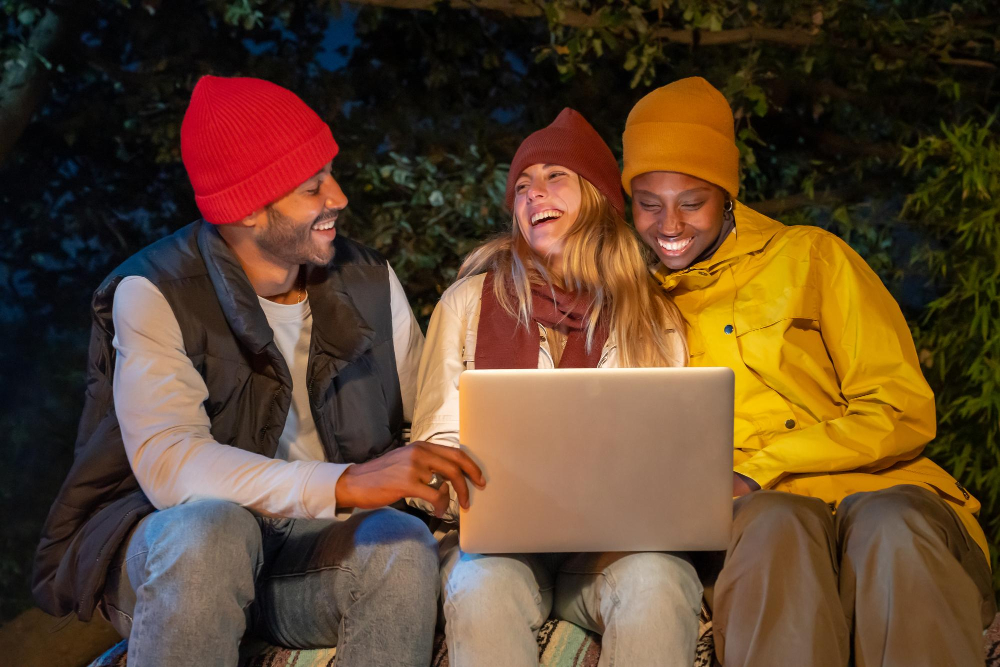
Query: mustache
{"points": [[333, 215]]}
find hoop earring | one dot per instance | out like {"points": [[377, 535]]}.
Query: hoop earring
{"points": [[728, 206]]}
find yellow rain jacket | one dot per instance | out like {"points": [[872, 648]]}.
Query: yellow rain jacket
{"points": [[830, 399]]}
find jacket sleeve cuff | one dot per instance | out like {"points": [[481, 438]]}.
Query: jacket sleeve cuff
{"points": [[764, 477], [319, 497]]}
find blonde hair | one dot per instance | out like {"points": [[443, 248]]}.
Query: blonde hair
{"points": [[602, 258]]}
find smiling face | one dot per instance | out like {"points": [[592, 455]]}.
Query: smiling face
{"points": [[300, 227], [677, 215], [547, 201]]}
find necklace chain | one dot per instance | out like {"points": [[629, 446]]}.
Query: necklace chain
{"points": [[300, 283]]}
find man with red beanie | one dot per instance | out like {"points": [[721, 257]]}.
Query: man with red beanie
{"points": [[249, 379]]}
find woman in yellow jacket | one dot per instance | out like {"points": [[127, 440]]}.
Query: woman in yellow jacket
{"points": [[840, 525]]}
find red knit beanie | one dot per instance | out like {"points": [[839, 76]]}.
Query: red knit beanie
{"points": [[571, 142], [247, 143]]}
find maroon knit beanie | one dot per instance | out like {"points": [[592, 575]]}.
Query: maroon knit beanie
{"points": [[247, 143], [571, 142]]}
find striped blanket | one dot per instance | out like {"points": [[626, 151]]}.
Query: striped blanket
{"points": [[560, 644]]}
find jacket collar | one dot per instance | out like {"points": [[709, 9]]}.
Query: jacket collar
{"points": [[236, 295], [338, 327], [752, 234]]}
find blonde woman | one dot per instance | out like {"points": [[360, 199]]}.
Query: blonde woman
{"points": [[567, 287]]}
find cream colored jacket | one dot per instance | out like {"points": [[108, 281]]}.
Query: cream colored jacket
{"points": [[449, 350]]}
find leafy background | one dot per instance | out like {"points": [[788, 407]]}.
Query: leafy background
{"points": [[874, 119]]}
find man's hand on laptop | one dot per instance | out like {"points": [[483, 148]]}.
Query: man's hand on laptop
{"points": [[405, 473], [743, 485]]}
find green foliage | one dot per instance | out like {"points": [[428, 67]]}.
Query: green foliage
{"points": [[244, 13], [433, 212], [955, 203]]}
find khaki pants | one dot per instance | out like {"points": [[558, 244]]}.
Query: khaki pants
{"points": [[895, 568]]}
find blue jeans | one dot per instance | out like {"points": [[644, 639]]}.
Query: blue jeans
{"points": [[194, 578], [646, 605]]}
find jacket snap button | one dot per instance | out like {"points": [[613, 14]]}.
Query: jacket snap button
{"points": [[789, 423], [728, 329]]}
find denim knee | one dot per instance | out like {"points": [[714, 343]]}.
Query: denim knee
{"points": [[494, 587], [645, 583], [396, 546], [204, 545]]}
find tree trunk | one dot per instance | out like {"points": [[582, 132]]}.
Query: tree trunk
{"points": [[25, 83]]}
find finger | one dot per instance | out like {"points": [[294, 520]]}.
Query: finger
{"points": [[442, 501], [463, 461], [454, 454], [430, 494]]}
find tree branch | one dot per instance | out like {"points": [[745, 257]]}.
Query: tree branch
{"points": [[846, 196], [574, 18], [780, 205], [25, 82], [967, 62], [736, 36]]}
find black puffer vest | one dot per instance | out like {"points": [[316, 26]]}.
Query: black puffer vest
{"points": [[353, 389]]}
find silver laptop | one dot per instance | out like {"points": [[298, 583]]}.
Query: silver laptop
{"points": [[598, 459]]}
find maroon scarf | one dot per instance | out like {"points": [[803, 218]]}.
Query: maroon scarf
{"points": [[501, 342]]}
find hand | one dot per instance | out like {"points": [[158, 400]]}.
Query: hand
{"points": [[743, 485], [404, 473]]}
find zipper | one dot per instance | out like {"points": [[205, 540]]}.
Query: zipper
{"points": [[270, 410], [312, 411], [100, 552]]}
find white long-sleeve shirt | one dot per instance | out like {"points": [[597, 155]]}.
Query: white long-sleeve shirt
{"points": [[159, 399]]}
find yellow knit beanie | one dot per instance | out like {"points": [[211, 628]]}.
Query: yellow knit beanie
{"points": [[685, 126]]}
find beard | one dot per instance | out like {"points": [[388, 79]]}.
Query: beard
{"points": [[292, 242]]}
